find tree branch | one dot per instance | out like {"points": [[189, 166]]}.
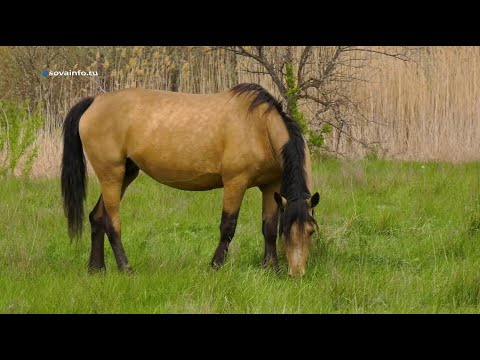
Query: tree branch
{"points": [[315, 99], [396, 55], [261, 59], [329, 68], [303, 59]]}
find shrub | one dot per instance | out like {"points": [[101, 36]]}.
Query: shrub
{"points": [[19, 127]]}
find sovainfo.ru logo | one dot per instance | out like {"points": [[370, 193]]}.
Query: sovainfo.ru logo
{"points": [[46, 73]]}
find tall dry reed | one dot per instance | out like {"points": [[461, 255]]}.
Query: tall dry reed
{"points": [[426, 110]]}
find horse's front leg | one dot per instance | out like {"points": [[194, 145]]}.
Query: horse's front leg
{"points": [[270, 224], [233, 193]]}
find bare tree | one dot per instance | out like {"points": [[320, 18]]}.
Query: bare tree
{"points": [[321, 81]]}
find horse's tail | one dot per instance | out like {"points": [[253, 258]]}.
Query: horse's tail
{"points": [[73, 179]]}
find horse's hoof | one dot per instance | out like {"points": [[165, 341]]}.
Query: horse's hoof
{"points": [[96, 269], [215, 265], [266, 261], [127, 270], [269, 262]]}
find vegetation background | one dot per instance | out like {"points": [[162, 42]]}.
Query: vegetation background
{"points": [[395, 103], [394, 132]]}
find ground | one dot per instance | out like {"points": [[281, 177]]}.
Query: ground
{"points": [[395, 237]]}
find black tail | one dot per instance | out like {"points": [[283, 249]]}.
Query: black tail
{"points": [[74, 175]]}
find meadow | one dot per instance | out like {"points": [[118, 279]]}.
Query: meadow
{"points": [[394, 237]]}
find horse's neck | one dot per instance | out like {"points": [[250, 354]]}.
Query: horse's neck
{"points": [[278, 136]]}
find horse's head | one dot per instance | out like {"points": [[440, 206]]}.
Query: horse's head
{"points": [[297, 226]]}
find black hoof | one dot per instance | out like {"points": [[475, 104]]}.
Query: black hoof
{"points": [[215, 265], [96, 269], [270, 263], [126, 269]]}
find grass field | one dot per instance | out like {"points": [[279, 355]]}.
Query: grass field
{"points": [[395, 237]]}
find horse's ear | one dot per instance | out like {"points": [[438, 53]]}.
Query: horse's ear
{"points": [[280, 200], [313, 201]]}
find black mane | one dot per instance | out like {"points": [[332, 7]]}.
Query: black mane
{"points": [[293, 184]]}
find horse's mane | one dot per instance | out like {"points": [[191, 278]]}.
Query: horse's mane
{"points": [[293, 183]]}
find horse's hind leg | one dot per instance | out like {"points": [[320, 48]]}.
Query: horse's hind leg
{"points": [[131, 173], [233, 193], [97, 222], [99, 219], [270, 224], [114, 183]]}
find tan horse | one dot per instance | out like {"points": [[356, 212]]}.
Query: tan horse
{"points": [[237, 139]]}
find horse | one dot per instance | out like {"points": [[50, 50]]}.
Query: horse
{"points": [[236, 139]]}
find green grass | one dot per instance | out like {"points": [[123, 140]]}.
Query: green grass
{"points": [[395, 237]]}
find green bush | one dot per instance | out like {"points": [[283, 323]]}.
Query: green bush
{"points": [[314, 139], [19, 128]]}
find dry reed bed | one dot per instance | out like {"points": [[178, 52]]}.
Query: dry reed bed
{"points": [[421, 111]]}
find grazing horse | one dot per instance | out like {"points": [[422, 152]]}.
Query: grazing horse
{"points": [[236, 139]]}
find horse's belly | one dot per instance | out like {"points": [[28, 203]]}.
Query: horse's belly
{"points": [[185, 180]]}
